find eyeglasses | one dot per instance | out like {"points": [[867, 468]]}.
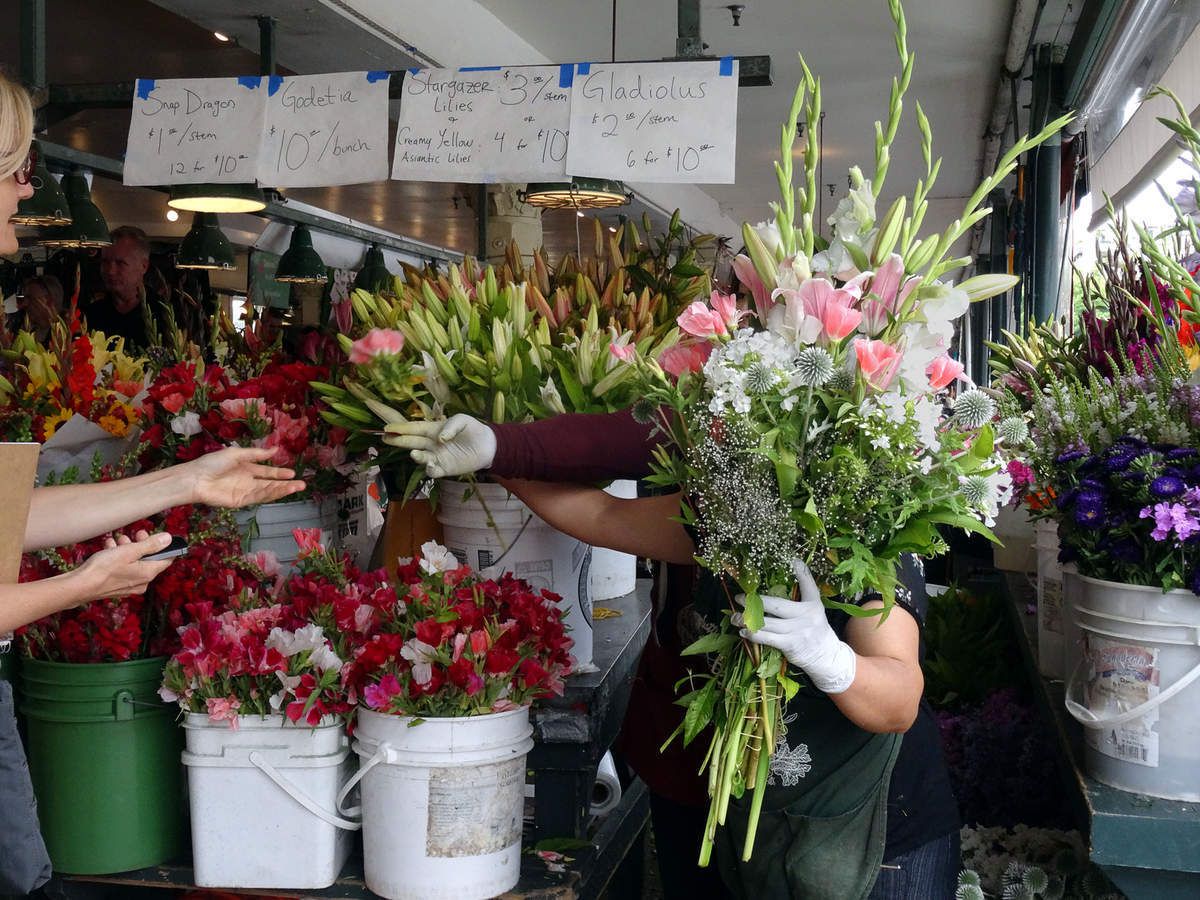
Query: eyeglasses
{"points": [[24, 173]]}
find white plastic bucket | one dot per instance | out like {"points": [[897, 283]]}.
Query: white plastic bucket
{"points": [[492, 531], [613, 574], [1135, 688], [263, 802], [1050, 616], [1015, 531], [269, 527], [442, 803]]}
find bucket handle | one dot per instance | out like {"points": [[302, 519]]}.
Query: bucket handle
{"points": [[382, 752], [299, 796], [1085, 716], [1193, 630]]}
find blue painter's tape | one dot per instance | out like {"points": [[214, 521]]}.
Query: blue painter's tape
{"points": [[583, 68], [273, 84], [250, 81], [726, 69], [378, 75], [566, 75], [479, 68], [414, 70], [145, 86]]}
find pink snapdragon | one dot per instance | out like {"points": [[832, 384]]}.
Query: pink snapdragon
{"points": [[878, 360], [308, 541], [375, 342], [942, 371]]}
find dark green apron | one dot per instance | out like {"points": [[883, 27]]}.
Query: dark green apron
{"points": [[823, 826]]}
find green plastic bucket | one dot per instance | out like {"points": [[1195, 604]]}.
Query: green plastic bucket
{"points": [[104, 756]]}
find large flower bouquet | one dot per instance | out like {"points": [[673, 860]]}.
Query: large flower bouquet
{"points": [[191, 409], [456, 644], [76, 374], [198, 585], [818, 430]]}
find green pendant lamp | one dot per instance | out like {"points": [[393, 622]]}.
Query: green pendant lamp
{"points": [[48, 205], [578, 193], [205, 245], [217, 198], [374, 275], [88, 228], [301, 263]]}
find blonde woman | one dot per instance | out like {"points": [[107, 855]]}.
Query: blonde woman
{"points": [[233, 477]]}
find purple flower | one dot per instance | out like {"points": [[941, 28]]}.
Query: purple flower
{"points": [[1119, 461], [1181, 453], [1166, 486], [1070, 456], [1089, 508]]}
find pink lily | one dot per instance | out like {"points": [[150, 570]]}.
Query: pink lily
{"points": [[623, 352], [879, 362], [700, 321], [744, 269], [886, 294], [942, 371], [725, 306], [840, 319], [685, 357]]}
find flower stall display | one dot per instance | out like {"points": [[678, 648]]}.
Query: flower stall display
{"points": [[814, 428], [443, 726], [76, 397]]}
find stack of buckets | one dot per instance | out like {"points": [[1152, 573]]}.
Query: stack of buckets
{"points": [[493, 532], [104, 759], [1133, 658]]}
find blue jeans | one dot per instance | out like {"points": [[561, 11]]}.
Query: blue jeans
{"points": [[929, 872]]}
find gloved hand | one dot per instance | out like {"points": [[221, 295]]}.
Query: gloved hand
{"points": [[458, 446], [800, 631]]}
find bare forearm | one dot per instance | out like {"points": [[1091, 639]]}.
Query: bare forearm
{"points": [[643, 526], [21, 604], [66, 514], [884, 695]]}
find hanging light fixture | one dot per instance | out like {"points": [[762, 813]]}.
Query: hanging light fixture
{"points": [[217, 198], [205, 245], [301, 263], [87, 228], [578, 193], [374, 275], [48, 205]]}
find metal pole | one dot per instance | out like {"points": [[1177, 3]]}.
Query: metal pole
{"points": [[1045, 243], [33, 43], [266, 45], [688, 44]]}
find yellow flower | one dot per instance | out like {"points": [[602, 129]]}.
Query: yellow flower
{"points": [[51, 423], [1191, 353], [114, 426]]}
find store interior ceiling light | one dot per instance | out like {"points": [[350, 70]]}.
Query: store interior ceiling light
{"points": [[205, 245], [222, 37], [301, 263], [48, 205], [87, 228], [578, 193], [217, 198]]}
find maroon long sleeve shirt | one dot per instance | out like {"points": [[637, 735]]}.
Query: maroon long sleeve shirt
{"points": [[578, 447]]}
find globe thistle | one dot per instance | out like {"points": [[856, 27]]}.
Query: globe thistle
{"points": [[814, 367], [760, 378], [976, 490], [969, 892], [644, 411], [974, 408], [1013, 430], [1035, 880], [968, 876], [841, 381]]}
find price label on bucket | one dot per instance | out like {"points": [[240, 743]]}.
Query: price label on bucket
{"points": [[1123, 676]]}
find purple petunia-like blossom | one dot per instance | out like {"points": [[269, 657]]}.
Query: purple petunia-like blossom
{"points": [[1171, 518], [1090, 508]]}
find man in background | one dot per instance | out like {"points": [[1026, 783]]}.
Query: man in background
{"points": [[125, 308]]}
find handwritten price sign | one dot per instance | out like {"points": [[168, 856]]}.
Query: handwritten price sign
{"points": [[655, 121], [325, 129], [190, 130], [483, 124]]}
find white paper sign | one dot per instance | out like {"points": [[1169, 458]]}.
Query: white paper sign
{"points": [[671, 121], [190, 130], [325, 129], [483, 125]]}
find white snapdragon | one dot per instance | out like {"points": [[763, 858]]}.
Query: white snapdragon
{"points": [[422, 656], [186, 425], [436, 558], [289, 643]]}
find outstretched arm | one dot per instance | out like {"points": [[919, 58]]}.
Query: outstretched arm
{"points": [[645, 526], [65, 514]]}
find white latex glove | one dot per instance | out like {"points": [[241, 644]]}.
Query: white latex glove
{"points": [[800, 631], [458, 446]]}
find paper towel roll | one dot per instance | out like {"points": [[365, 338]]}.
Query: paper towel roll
{"points": [[606, 792]]}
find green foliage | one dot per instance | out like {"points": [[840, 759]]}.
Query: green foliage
{"points": [[968, 646]]}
